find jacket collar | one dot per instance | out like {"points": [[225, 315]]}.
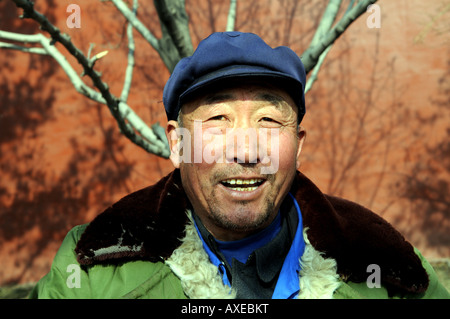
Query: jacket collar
{"points": [[149, 223], [317, 279]]}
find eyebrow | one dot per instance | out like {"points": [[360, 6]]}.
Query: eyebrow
{"points": [[276, 100], [217, 98]]}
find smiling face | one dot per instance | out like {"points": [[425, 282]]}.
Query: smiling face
{"points": [[232, 194]]}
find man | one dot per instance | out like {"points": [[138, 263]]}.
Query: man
{"points": [[236, 218]]}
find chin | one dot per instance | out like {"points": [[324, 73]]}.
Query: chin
{"points": [[244, 218]]}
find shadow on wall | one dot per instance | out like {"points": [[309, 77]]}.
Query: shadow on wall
{"points": [[427, 188], [38, 206], [362, 130]]}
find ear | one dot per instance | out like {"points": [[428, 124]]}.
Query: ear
{"points": [[174, 143], [301, 135]]}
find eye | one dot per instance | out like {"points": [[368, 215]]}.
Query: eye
{"points": [[268, 119], [217, 118]]}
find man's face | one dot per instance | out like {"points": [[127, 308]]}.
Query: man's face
{"points": [[227, 180]]}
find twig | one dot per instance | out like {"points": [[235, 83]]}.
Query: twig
{"points": [[130, 64], [423, 33], [5, 45], [137, 24], [231, 20], [91, 47]]}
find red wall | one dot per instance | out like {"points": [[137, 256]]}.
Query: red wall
{"points": [[377, 120]]}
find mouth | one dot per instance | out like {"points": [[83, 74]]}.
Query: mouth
{"points": [[243, 185]]}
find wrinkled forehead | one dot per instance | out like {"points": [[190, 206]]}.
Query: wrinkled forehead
{"points": [[254, 89]]}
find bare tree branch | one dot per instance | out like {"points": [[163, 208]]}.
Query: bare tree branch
{"points": [[6, 45], [51, 50], [174, 44], [137, 24], [325, 24], [327, 20], [314, 74], [130, 64], [161, 46], [231, 20], [173, 15], [166, 47], [125, 111], [311, 56], [129, 123]]}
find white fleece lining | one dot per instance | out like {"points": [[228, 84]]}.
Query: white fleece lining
{"points": [[200, 279], [318, 275]]}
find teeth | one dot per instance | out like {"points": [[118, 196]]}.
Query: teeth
{"points": [[243, 185], [243, 181], [243, 189]]}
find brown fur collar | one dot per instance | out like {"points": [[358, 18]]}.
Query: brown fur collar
{"points": [[149, 223]]}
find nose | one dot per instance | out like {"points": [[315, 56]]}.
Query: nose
{"points": [[242, 146]]}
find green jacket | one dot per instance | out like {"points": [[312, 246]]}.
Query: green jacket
{"points": [[146, 248], [145, 279]]}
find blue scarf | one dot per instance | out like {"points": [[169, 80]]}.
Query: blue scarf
{"points": [[242, 249]]}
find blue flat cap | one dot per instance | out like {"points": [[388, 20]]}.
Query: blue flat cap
{"points": [[229, 55]]}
